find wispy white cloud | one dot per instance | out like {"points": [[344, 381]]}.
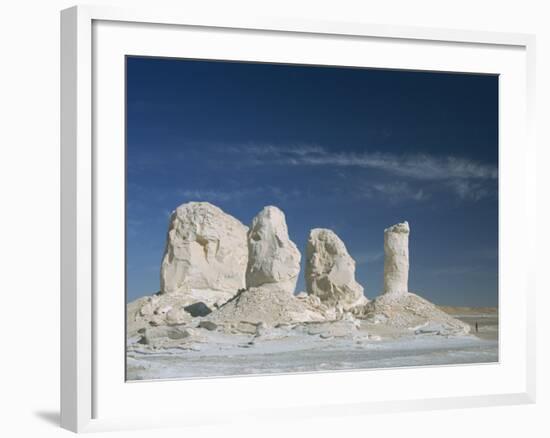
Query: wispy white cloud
{"points": [[416, 166], [216, 195], [456, 270], [237, 194], [394, 191], [469, 190], [268, 150], [368, 257], [469, 179]]}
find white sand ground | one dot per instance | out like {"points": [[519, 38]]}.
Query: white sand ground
{"points": [[291, 351]]}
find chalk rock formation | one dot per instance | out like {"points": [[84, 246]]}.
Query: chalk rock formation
{"points": [[330, 270], [205, 249], [396, 259], [273, 259]]}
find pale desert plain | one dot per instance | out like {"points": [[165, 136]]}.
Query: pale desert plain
{"points": [[228, 306]]}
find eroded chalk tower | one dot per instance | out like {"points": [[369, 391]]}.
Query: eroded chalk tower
{"points": [[396, 259]]}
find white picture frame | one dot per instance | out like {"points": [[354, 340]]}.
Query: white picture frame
{"points": [[93, 397]]}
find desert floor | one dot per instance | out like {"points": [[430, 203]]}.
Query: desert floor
{"points": [[374, 346]]}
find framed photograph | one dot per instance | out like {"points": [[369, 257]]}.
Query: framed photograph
{"points": [[264, 215]]}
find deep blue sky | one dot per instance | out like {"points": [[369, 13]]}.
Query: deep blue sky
{"points": [[354, 150]]}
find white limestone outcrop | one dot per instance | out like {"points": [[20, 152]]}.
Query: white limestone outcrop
{"points": [[396, 259], [330, 270], [273, 259], [222, 281], [205, 249]]}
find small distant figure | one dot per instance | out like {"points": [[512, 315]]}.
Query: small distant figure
{"points": [[477, 328]]}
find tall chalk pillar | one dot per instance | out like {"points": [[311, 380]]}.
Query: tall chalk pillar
{"points": [[396, 259]]}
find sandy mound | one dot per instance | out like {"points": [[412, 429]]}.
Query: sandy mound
{"points": [[409, 311], [270, 306]]}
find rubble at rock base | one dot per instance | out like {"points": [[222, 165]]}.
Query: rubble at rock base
{"points": [[411, 312]]}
